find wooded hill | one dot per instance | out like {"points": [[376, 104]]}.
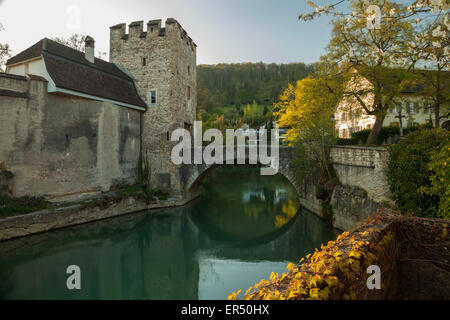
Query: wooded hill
{"points": [[224, 85]]}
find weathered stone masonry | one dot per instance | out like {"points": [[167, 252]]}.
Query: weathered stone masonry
{"points": [[58, 145], [161, 60]]}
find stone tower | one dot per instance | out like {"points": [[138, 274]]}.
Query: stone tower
{"points": [[163, 63]]}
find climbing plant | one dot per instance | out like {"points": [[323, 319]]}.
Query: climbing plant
{"points": [[333, 272]]}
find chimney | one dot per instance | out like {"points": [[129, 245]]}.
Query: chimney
{"points": [[89, 49]]}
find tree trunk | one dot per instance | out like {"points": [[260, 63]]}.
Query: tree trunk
{"points": [[373, 136], [436, 116]]}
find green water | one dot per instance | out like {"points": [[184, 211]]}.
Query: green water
{"points": [[244, 227]]}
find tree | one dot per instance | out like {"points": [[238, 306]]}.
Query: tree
{"points": [[5, 53], [357, 42], [431, 50], [307, 110], [76, 41], [372, 54]]}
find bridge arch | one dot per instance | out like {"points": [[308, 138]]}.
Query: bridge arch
{"points": [[194, 174]]}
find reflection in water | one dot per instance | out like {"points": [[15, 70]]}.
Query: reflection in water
{"points": [[244, 227]]}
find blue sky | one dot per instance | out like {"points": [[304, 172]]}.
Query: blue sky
{"points": [[224, 30]]}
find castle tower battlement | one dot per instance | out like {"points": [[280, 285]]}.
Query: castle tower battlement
{"points": [[154, 29], [163, 61]]}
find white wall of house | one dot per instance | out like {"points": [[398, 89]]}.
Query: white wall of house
{"points": [[350, 117], [36, 67]]}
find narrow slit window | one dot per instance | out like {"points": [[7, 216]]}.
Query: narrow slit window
{"points": [[144, 61], [152, 97]]}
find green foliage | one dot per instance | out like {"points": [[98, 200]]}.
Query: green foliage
{"points": [[242, 83], [360, 137], [143, 174], [440, 168], [346, 142], [408, 171], [230, 95], [16, 206]]}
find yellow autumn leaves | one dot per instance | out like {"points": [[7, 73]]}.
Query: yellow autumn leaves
{"points": [[304, 106], [329, 273]]}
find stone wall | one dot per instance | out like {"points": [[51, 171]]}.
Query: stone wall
{"points": [[170, 69], [363, 167], [364, 186], [57, 145]]}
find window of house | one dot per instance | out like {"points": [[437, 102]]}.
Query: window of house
{"points": [[416, 108], [152, 97], [151, 30], [410, 107], [144, 61]]}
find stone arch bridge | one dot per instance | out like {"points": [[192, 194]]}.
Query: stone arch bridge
{"points": [[361, 172], [192, 175]]}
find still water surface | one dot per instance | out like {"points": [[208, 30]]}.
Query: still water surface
{"points": [[244, 227]]}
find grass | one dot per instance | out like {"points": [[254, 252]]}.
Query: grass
{"points": [[17, 206]]}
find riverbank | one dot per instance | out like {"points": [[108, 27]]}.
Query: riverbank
{"points": [[75, 214]]}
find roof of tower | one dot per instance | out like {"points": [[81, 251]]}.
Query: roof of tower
{"points": [[69, 69]]}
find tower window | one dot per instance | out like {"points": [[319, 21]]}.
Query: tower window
{"points": [[189, 92], [144, 61], [151, 30], [189, 70], [152, 97]]}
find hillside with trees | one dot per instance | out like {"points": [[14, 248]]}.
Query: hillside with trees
{"points": [[230, 95]]}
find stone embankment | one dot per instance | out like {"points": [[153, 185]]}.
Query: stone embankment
{"points": [[46, 220]]}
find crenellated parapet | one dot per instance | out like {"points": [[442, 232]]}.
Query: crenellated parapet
{"points": [[154, 29]]}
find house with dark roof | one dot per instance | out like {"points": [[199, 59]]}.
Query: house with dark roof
{"points": [[73, 124], [69, 71], [70, 123]]}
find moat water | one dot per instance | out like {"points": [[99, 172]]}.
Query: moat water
{"points": [[243, 228]]}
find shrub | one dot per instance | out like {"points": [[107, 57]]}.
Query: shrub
{"points": [[361, 136], [385, 133], [346, 142], [409, 174], [440, 186]]}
